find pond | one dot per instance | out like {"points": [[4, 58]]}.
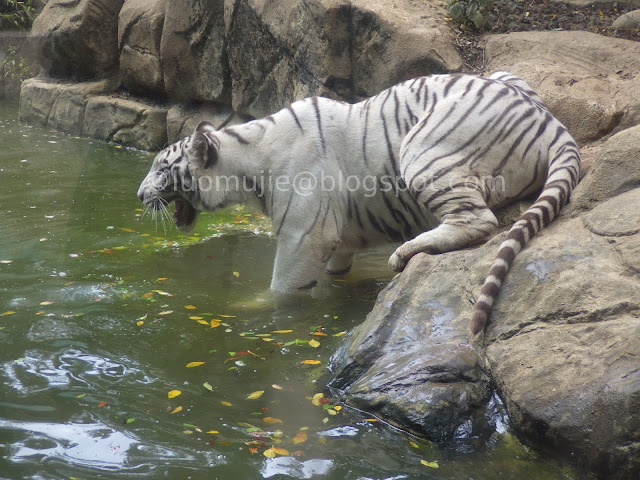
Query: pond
{"points": [[131, 351]]}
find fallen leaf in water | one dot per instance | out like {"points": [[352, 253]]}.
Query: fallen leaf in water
{"points": [[203, 322], [162, 279], [195, 318], [215, 324], [6, 262], [194, 364], [280, 451], [190, 307], [46, 303], [226, 404], [128, 230], [102, 404], [271, 420], [311, 362], [269, 453], [213, 432], [208, 386], [236, 274], [300, 437], [277, 387], [10, 312], [314, 343], [174, 393], [317, 398], [139, 323], [433, 464], [166, 312], [163, 293], [414, 445], [227, 316], [282, 331], [176, 410], [255, 395], [130, 420]]}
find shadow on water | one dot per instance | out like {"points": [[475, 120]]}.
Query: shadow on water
{"points": [[130, 352]]}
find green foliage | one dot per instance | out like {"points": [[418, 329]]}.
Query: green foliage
{"points": [[471, 12], [15, 67], [16, 14]]}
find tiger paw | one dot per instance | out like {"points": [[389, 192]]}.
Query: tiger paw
{"points": [[397, 262]]}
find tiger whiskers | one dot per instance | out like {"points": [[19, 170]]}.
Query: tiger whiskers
{"points": [[159, 209]]}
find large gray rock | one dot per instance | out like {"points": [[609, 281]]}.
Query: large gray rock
{"points": [[59, 105], [628, 21], [182, 119], [127, 122], [562, 346], [334, 48], [193, 51], [81, 37], [588, 81], [140, 26]]}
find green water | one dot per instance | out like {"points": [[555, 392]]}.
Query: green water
{"points": [[102, 311]]}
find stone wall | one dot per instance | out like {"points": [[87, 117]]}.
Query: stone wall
{"points": [[142, 59]]}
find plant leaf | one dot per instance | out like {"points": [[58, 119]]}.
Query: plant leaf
{"points": [[255, 395], [194, 364], [174, 393]]}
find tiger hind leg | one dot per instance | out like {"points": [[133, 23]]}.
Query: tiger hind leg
{"points": [[465, 220]]}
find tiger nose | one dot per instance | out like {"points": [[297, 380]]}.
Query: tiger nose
{"points": [[141, 193]]}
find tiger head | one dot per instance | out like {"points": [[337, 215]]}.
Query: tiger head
{"points": [[176, 174]]}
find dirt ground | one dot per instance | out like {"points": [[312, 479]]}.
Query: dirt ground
{"points": [[540, 15]]}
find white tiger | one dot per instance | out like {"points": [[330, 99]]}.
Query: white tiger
{"points": [[420, 163]]}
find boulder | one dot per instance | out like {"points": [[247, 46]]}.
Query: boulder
{"points": [[600, 3], [81, 37], [588, 81], [193, 51], [127, 122], [140, 25], [628, 21], [59, 105], [616, 171], [561, 347], [335, 48]]}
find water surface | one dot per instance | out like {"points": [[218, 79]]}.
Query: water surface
{"points": [[102, 311]]}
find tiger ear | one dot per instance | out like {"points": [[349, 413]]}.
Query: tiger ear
{"points": [[203, 144]]}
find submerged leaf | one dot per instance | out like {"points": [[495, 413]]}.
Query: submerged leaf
{"points": [[314, 343], [271, 420], [311, 362], [176, 410], [255, 395], [300, 437], [174, 393], [194, 364], [226, 404], [433, 464]]}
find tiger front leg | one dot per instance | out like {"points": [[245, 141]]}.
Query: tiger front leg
{"points": [[457, 230], [299, 265]]}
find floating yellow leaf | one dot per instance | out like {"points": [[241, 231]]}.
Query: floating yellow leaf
{"points": [[215, 324], [314, 343], [213, 432], [433, 464], [6, 262], [190, 307], [269, 453], [203, 322], [194, 364], [227, 316], [331, 412], [311, 362], [10, 312], [166, 312], [316, 399], [140, 323], [277, 387], [46, 303], [282, 331], [255, 395], [195, 318], [337, 408], [176, 410], [128, 230], [162, 279], [236, 274], [280, 451], [226, 404], [300, 437], [271, 420], [163, 293], [414, 445], [174, 393]]}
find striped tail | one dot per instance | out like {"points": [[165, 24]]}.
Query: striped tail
{"points": [[563, 176]]}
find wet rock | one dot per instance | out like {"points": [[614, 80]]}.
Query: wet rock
{"points": [[127, 122], [140, 24], [628, 21], [411, 361], [81, 37], [600, 3], [592, 90]]}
